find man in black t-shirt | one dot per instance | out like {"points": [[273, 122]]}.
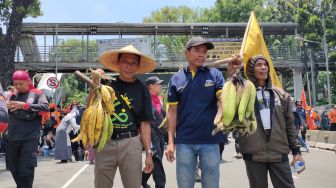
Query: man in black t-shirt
{"points": [[133, 112]]}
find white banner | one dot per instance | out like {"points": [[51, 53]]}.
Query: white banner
{"points": [[142, 44]]}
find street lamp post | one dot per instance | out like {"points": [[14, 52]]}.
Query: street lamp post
{"points": [[325, 49], [312, 94], [312, 72]]}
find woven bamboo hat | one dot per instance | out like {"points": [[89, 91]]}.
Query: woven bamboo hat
{"points": [[110, 59]]}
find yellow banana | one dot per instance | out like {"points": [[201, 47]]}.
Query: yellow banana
{"points": [[104, 134], [244, 101], [83, 129], [254, 125], [163, 123], [99, 122], [110, 126], [240, 90], [112, 93], [107, 99], [251, 100], [228, 102], [78, 138], [92, 123], [219, 127]]}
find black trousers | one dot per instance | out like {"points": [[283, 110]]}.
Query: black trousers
{"points": [[332, 127], [159, 175], [21, 158], [236, 136], [280, 174]]}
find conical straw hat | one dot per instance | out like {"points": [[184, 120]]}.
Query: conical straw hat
{"points": [[110, 59]]}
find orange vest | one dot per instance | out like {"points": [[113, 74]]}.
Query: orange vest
{"points": [[310, 120], [332, 115]]}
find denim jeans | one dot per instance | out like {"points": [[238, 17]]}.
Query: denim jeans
{"points": [[302, 142], [186, 159]]}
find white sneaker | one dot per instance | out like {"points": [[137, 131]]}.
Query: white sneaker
{"points": [[307, 148]]}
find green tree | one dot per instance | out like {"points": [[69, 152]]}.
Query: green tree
{"points": [[236, 10], [72, 89], [72, 50], [181, 14], [13, 12]]}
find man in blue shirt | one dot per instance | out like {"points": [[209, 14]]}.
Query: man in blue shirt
{"points": [[193, 98]]}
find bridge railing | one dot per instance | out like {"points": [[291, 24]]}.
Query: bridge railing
{"points": [[83, 54]]}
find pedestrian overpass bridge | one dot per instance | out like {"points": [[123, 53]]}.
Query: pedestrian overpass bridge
{"points": [[41, 57]]}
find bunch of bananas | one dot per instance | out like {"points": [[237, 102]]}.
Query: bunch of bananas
{"points": [[164, 122], [238, 98], [96, 124]]}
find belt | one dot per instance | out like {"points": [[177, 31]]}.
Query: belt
{"points": [[120, 136]]}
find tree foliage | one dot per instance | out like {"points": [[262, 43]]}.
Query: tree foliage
{"points": [[13, 12], [74, 50], [72, 89], [181, 14], [307, 13]]}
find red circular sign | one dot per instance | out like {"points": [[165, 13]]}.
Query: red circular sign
{"points": [[52, 82]]}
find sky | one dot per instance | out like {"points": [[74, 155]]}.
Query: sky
{"points": [[106, 11]]}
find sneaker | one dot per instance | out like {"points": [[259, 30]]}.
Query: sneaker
{"points": [[145, 186], [307, 148], [197, 177]]}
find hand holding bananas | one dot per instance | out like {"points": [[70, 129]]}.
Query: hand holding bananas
{"points": [[96, 124], [238, 97]]}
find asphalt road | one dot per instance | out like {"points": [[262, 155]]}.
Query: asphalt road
{"points": [[320, 172]]}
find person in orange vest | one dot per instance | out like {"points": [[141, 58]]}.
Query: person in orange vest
{"points": [[311, 116], [332, 118], [317, 120], [55, 115]]}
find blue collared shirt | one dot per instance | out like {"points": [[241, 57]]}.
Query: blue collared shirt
{"points": [[195, 95]]}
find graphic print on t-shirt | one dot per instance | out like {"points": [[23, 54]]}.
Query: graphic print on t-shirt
{"points": [[121, 118]]}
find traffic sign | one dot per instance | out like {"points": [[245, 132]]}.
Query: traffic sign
{"points": [[52, 82]]}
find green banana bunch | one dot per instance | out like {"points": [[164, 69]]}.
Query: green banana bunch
{"points": [[238, 98], [228, 102], [106, 131]]}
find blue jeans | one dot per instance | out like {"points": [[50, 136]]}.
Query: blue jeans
{"points": [[302, 142], [186, 159]]}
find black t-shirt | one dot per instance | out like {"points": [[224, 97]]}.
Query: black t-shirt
{"points": [[136, 107]]}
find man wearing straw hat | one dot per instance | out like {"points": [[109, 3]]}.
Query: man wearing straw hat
{"points": [[133, 112]]}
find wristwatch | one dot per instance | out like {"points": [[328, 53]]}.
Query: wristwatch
{"points": [[149, 152]]}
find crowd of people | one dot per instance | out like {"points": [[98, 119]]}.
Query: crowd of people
{"points": [[194, 100], [315, 121]]}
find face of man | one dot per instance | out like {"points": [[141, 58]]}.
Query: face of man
{"points": [[261, 70], [197, 55], [22, 86], [155, 89], [128, 66]]}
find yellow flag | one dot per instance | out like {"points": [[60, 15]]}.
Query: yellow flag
{"points": [[254, 44]]}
